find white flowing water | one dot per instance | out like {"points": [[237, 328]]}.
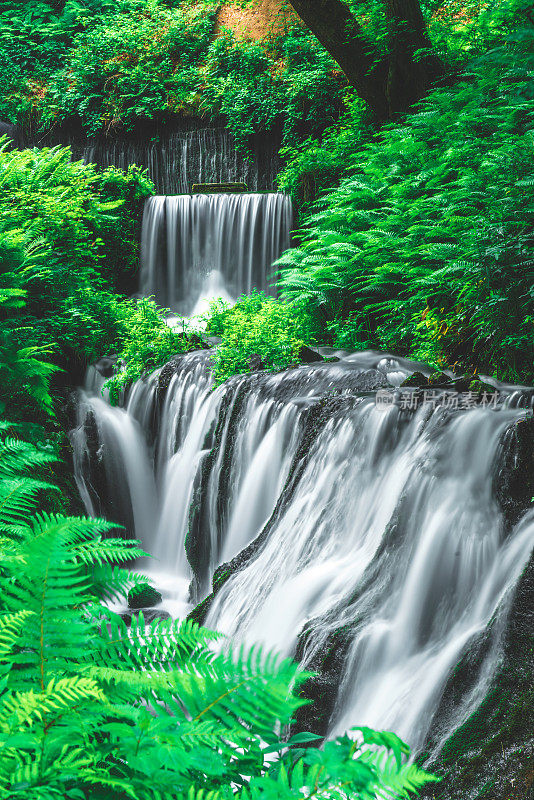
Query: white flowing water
{"points": [[384, 522], [177, 159], [200, 246]]}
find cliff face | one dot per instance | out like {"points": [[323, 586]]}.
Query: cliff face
{"points": [[491, 756]]}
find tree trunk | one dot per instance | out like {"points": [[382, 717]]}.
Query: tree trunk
{"points": [[388, 85], [409, 75], [340, 33]]}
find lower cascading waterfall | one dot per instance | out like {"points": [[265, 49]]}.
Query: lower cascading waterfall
{"points": [[366, 518], [198, 247]]}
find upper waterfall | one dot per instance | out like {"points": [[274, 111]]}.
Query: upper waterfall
{"points": [[211, 245]]}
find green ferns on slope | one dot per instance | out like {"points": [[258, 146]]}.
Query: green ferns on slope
{"points": [[92, 709], [426, 248]]}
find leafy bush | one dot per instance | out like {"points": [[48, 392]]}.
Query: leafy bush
{"points": [[258, 332], [289, 82], [426, 248], [146, 342], [91, 709], [318, 164], [58, 221], [130, 64], [110, 64]]}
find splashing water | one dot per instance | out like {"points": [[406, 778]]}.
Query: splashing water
{"points": [[196, 246], [365, 518]]}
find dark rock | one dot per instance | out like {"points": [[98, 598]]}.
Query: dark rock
{"points": [[513, 482], [309, 356], [322, 689], [417, 379], [144, 596], [106, 366], [490, 756], [197, 340], [149, 615], [439, 378], [480, 387], [6, 129], [255, 363]]}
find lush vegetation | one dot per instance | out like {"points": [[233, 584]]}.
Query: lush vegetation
{"points": [[426, 246], [417, 238], [68, 235], [258, 332], [88, 707], [110, 64]]}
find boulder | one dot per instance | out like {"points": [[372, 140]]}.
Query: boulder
{"points": [[480, 387], [149, 615], [513, 481], [417, 379], [143, 596], [309, 356], [255, 363], [106, 366]]}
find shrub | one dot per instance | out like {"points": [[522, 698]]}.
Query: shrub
{"points": [[318, 164], [145, 343], [130, 64], [258, 332], [58, 221]]}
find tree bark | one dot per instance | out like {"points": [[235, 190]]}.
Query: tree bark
{"points": [[340, 33], [389, 84], [409, 74]]}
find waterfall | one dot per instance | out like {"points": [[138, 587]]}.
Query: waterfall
{"points": [[340, 515], [176, 160], [198, 247]]}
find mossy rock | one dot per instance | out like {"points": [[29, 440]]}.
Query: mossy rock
{"points": [[149, 616], [438, 378], [143, 596], [480, 387], [417, 379]]}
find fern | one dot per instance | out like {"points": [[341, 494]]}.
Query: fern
{"points": [[92, 708]]}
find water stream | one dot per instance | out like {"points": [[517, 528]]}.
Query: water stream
{"points": [[177, 159], [377, 518], [337, 513], [198, 247]]}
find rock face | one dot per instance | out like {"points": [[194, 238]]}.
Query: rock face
{"points": [[6, 129], [513, 485], [491, 756]]}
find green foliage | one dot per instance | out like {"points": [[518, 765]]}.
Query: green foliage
{"points": [[35, 38], [111, 64], [91, 709], [299, 90], [59, 223], [426, 247], [318, 164], [258, 332], [133, 63], [147, 342]]}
